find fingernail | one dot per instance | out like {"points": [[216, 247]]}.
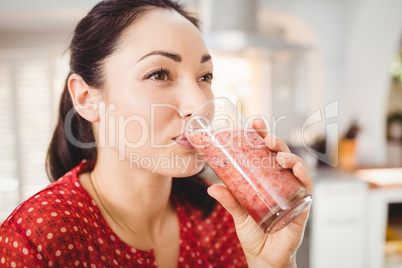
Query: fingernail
{"points": [[211, 192], [301, 166], [283, 154], [281, 161], [274, 140]]}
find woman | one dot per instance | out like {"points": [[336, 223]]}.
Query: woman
{"points": [[138, 70]]}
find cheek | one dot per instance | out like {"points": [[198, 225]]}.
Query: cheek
{"points": [[123, 123], [165, 122], [133, 130]]}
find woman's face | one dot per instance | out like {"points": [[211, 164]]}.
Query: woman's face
{"points": [[160, 73]]}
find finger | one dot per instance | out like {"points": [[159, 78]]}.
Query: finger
{"points": [[288, 160], [299, 168], [259, 125], [229, 202], [276, 144], [304, 176]]}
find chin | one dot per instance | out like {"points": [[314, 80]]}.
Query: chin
{"points": [[188, 173], [189, 170]]}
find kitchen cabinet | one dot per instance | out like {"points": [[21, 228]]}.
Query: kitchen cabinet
{"points": [[385, 191], [379, 200], [350, 216], [338, 221]]}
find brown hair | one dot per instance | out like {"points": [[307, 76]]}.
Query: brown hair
{"points": [[95, 38]]}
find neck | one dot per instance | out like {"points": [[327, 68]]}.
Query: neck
{"points": [[133, 201]]}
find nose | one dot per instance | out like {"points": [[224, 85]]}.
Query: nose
{"points": [[192, 97]]}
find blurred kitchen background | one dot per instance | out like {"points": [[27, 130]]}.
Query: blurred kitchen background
{"points": [[325, 74]]}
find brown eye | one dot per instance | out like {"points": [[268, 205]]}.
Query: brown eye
{"points": [[159, 74], [206, 78]]}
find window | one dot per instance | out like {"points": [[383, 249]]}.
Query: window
{"points": [[9, 192], [27, 117]]}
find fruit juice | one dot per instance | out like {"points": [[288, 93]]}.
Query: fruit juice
{"points": [[249, 169]]}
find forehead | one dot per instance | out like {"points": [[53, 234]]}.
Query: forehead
{"points": [[162, 29]]}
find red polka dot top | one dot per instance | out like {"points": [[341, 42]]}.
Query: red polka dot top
{"points": [[61, 226]]}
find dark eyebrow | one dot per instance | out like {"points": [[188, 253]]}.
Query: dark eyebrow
{"points": [[171, 56], [205, 58]]}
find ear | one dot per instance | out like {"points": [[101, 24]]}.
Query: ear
{"points": [[85, 98]]}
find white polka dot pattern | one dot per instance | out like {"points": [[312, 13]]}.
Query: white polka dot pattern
{"points": [[61, 226]]}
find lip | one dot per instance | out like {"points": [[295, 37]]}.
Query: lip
{"points": [[182, 140]]}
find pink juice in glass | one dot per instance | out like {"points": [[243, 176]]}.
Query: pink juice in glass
{"points": [[271, 194]]}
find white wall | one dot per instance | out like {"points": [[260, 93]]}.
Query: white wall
{"points": [[357, 39], [375, 38]]}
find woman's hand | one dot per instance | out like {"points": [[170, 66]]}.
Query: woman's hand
{"points": [[278, 249]]}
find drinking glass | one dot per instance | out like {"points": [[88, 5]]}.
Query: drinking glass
{"points": [[235, 151]]}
